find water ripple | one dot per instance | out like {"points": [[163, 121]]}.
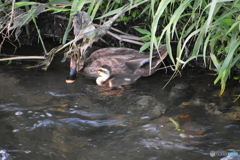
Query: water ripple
{"points": [[8, 104], [86, 114], [42, 123], [95, 123], [62, 95]]}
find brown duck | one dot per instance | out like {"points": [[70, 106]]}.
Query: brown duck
{"points": [[120, 60]]}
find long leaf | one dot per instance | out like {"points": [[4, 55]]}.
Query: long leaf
{"points": [[210, 14], [96, 8], [215, 62], [60, 2], [225, 69], [198, 44], [162, 6], [206, 43], [178, 12], [76, 6], [234, 44], [113, 12], [23, 3], [28, 17]]}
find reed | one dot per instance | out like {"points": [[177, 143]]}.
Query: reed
{"points": [[209, 28]]}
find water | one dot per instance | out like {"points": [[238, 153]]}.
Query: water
{"points": [[42, 117]]}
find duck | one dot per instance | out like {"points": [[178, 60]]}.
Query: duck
{"points": [[121, 61], [106, 78]]}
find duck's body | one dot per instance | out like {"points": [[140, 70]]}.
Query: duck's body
{"points": [[120, 60], [106, 78]]}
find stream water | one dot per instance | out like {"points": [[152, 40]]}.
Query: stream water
{"points": [[43, 118]]}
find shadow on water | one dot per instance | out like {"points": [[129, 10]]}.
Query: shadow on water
{"points": [[42, 117]]}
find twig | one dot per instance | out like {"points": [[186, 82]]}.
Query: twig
{"points": [[22, 57], [117, 30], [124, 39]]}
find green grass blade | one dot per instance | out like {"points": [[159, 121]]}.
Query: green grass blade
{"points": [[145, 46], [60, 2], [206, 43], [215, 62], [143, 31], [23, 3], [96, 8], [28, 17], [198, 44], [76, 6], [210, 14], [235, 60], [168, 44], [91, 6], [224, 72], [178, 12], [162, 6], [113, 12]]}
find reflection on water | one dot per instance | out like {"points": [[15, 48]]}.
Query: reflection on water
{"points": [[42, 117]]}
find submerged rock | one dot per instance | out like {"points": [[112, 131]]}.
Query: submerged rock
{"points": [[139, 107], [129, 105], [180, 93]]}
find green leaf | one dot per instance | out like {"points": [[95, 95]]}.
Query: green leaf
{"points": [[145, 38], [234, 27], [226, 22], [206, 43], [198, 44], [224, 72], [235, 60], [23, 3], [123, 19], [96, 9], [145, 46], [60, 2], [143, 31], [156, 17], [111, 13], [118, 1], [236, 4], [4, 4], [215, 62], [29, 16], [59, 9], [236, 77]]}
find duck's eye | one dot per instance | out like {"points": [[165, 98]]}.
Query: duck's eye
{"points": [[102, 70]]}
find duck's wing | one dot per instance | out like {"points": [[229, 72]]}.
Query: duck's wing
{"points": [[138, 62], [113, 57], [143, 58], [156, 62], [112, 51], [118, 80]]}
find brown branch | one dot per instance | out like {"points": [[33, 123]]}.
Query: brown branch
{"points": [[22, 57]]}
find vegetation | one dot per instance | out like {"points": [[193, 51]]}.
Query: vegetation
{"points": [[207, 29]]}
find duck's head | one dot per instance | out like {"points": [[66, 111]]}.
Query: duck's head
{"points": [[104, 73]]}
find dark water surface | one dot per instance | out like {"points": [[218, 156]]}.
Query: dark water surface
{"points": [[43, 118]]}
